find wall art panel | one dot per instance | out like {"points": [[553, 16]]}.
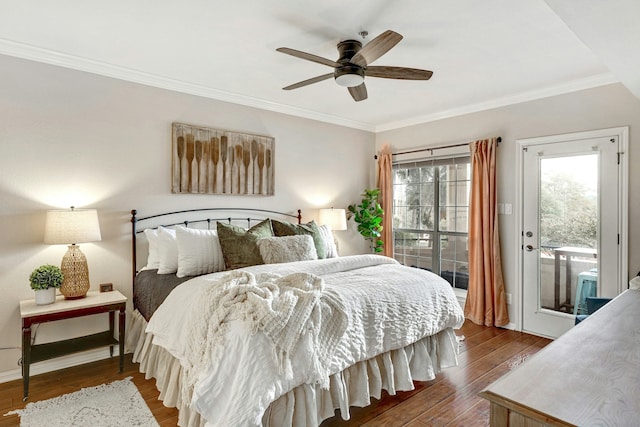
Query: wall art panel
{"points": [[213, 161]]}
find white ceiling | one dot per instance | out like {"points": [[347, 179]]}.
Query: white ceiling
{"points": [[484, 54]]}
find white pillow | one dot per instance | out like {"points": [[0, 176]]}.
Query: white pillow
{"points": [[199, 252], [153, 260], [167, 250], [329, 241], [276, 250]]}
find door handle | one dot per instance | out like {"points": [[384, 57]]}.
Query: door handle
{"points": [[530, 248]]}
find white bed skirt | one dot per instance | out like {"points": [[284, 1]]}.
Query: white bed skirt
{"points": [[306, 405]]}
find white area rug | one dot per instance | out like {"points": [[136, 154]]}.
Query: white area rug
{"points": [[107, 405]]}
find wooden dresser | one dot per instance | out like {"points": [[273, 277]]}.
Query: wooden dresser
{"points": [[590, 376]]}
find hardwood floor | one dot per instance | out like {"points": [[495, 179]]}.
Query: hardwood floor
{"points": [[449, 400], [452, 398]]}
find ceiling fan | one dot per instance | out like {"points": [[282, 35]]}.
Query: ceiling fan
{"points": [[353, 64]]}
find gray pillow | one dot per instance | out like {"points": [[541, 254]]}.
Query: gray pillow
{"points": [[239, 247], [275, 250], [311, 228]]}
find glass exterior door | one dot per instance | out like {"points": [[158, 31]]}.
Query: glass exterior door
{"points": [[569, 236]]}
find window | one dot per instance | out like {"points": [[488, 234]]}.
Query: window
{"points": [[431, 216]]}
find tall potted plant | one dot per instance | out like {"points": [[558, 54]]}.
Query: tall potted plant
{"points": [[44, 281], [368, 215]]}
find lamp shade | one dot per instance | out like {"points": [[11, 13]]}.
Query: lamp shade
{"points": [[334, 218], [72, 226]]}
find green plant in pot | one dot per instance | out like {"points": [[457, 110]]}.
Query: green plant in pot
{"points": [[368, 215], [44, 281]]}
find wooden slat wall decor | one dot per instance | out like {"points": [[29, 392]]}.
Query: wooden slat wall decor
{"points": [[213, 161]]}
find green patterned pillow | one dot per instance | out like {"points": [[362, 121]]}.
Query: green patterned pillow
{"points": [[311, 228], [239, 247]]}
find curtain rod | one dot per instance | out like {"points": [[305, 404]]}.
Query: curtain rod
{"points": [[434, 148]]}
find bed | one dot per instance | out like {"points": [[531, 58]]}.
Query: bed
{"points": [[286, 342]]}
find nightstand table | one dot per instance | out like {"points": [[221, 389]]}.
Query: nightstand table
{"points": [[94, 303]]}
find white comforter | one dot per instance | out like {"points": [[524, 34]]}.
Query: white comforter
{"points": [[388, 306]]}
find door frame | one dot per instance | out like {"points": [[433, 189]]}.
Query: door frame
{"points": [[622, 133]]}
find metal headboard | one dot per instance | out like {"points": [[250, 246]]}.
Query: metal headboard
{"points": [[136, 229]]}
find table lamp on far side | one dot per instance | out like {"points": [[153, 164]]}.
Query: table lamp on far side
{"points": [[336, 219], [70, 227]]}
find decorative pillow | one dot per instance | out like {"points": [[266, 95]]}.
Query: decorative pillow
{"points": [[239, 245], [275, 250], [167, 251], [199, 252], [153, 260], [329, 241], [281, 229]]}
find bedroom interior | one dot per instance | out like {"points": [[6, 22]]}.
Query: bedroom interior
{"points": [[87, 122]]}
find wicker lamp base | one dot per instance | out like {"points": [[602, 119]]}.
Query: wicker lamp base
{"points": [[76, 274]]}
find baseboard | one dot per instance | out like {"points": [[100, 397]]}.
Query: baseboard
{"points": [[60, 363], [510, 326]]}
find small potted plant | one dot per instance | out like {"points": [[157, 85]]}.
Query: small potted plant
{"points": [[44, 281]]}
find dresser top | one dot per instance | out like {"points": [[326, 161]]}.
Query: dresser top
{"points": [[589, 375]]}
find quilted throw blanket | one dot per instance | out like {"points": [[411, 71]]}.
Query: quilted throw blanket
{"points": [[284, 308], [385, 305]]}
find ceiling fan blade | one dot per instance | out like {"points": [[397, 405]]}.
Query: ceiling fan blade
{"points": [[308, 56], [376, 48], [309, 81], [398, 73], [359, 93]]}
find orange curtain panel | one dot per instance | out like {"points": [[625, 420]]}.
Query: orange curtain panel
{"points": [[385, 181], [486, 300]]}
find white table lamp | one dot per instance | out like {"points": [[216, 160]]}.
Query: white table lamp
{"points": [[336, 219], [70, 227]]}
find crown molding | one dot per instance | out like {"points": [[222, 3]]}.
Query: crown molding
{"points": [[24, 51], [573, 86], [47, 56]]}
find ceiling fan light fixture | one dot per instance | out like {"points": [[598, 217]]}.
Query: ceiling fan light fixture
{"points": [[349, 76], [349, 80]]}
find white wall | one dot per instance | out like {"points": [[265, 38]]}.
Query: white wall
{"points": [[72, 138], [603, 107]]}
